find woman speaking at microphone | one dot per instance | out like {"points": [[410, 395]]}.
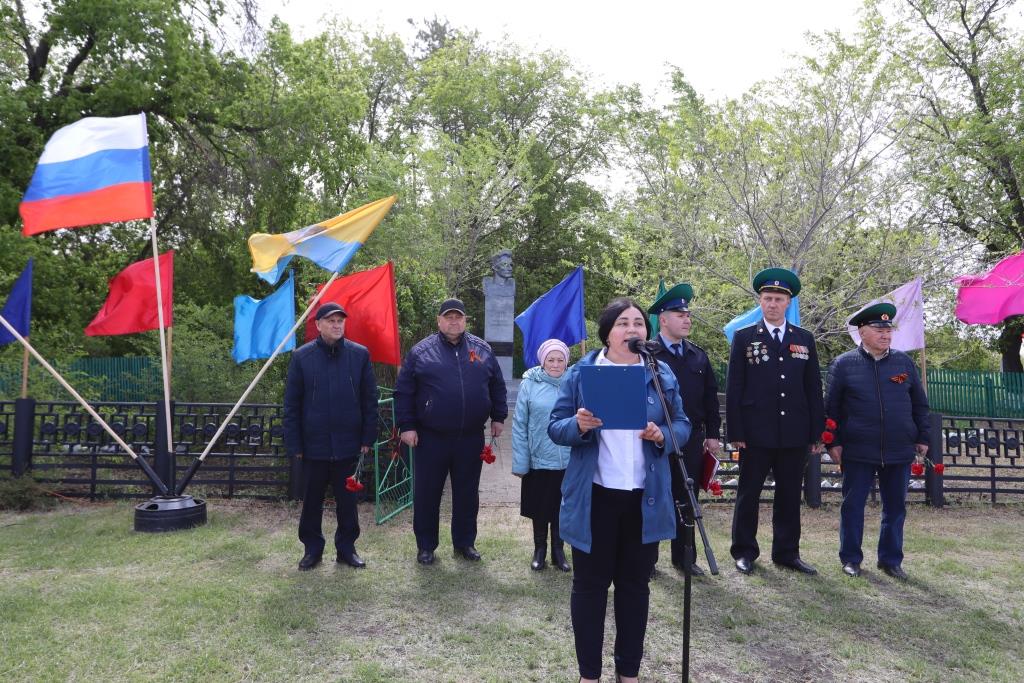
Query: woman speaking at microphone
{"points": [[616, 497]]}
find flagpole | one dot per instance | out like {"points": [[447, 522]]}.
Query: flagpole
{"points": [[245, 394], [88, 408], [24, 372], [924, 371], [163, 338]]}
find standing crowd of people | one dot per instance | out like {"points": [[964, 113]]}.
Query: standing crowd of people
{"points": [[614, 494]]}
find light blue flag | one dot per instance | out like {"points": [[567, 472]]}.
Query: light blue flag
{"points": [[260, 325], [556, 314], [754, 314]]}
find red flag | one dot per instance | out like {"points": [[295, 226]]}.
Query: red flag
{"points": [[131, 305], [369, 299]]}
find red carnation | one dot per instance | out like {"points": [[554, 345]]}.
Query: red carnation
{"points": [[939, 468], [487, 454], [715, 487], [827, 437], [354, 485], [830, 424], [917, 469]]}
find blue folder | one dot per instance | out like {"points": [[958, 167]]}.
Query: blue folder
{"points": [[617, 394]]}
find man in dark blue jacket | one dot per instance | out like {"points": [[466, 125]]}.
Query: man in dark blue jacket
{"points": [[878, 422], [330, 418], [449, 385], [774, 416]]}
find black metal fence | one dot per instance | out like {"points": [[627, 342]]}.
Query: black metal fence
{"points": [[70, 453]]}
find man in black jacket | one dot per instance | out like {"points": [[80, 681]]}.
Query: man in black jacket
{"points": [[330, 418], [699, 391], [774, 415], [449, 385], [878, 424]]}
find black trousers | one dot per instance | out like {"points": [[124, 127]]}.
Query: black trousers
{"points": [[316, 475], [617, 555], [788, 466], [438, 456], [693, 458]]}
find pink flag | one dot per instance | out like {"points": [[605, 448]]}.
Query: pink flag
{"points": [[991, 298], [908, 325]]}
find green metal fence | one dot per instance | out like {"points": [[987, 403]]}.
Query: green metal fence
{"points": [[124, 378]]}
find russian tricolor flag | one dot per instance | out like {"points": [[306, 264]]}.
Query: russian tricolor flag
{"points": [[94, 171]]}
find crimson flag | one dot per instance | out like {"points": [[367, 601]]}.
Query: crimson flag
{"points": [[369, 299], [131, 304]]}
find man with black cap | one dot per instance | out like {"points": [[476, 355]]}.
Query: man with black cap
{"points": [[450, 384], [699, 391], [330, 418], [878, 424], [774, 415]]}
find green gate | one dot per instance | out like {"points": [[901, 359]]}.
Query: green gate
{"points": [[392, 464]]}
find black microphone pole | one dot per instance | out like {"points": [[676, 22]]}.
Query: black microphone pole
{"points": [[690, 514]]}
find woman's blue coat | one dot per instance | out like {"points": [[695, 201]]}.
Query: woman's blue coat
{"points": [[532, 448], [659, 522]]}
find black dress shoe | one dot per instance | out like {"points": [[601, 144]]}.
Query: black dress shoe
{"points": [[558, 559], [695, 569], [745, 566], [538, 562], [309, 561], [851, 568], [352, 560], [798, 565], [425, 557], [894, 570], [469, 553]]}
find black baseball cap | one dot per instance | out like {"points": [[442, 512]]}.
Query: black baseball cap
{"points": [[452, 305], [330, 308]]}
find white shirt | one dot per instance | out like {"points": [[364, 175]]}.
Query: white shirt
{"points": [[620, 453], [771, 329]]}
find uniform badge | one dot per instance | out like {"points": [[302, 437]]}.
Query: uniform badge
{"points": [[798, 351]]}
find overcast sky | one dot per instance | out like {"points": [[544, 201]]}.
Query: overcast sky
{"points": [[723, 48]]}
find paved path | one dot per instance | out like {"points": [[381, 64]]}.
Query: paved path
{"points": [[497, 485]]}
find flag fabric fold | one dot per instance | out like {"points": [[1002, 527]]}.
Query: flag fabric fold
{"points": [[368, 298], [991, 298], [754, 314], [261, 325], [556, 314], [908, 325], [18, 309], [131, 304], [330, 244], [95, 170]]}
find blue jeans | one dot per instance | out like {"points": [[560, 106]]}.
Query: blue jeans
{"points": [[892, 488]]}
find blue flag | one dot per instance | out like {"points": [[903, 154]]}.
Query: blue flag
{"points": [[18, 309], [260, 325], [754, 314], [556, 314]]}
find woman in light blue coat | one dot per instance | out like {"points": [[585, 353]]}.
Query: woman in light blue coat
{"points": [[536, 459]]}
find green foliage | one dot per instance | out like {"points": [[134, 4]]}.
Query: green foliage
{"points": [[22, 494]]}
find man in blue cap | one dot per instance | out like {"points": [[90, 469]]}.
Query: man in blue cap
{"points": [[330, 417], [774, 416], [878, 421], [699, 391]]}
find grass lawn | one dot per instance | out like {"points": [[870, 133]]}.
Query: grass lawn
{"points": [[83, 597]]}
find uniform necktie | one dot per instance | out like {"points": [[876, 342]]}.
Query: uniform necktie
{"points": [[677, 349], [778, 335]]}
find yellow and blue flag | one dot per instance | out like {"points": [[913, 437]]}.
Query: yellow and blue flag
{"points": [[330, 244]]}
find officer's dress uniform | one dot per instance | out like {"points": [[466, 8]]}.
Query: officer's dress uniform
{"points": [[699, 391], [774, 404]]}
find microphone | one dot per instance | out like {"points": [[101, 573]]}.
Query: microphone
{"points": [[643, 346]]}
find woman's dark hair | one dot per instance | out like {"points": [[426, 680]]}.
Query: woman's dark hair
{"points": [[611, 312]]}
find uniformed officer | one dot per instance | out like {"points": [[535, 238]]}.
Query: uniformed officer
{"points": [[774, 415], [699, 391], [878, 421]]}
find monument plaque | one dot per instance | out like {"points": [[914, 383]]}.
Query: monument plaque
{"points": [[499, 310]]}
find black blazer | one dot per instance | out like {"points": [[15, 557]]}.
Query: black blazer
{"points": [[773, 396], [697, 386]]}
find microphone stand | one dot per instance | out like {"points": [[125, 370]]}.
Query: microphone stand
{"points": [[689, 514]]}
